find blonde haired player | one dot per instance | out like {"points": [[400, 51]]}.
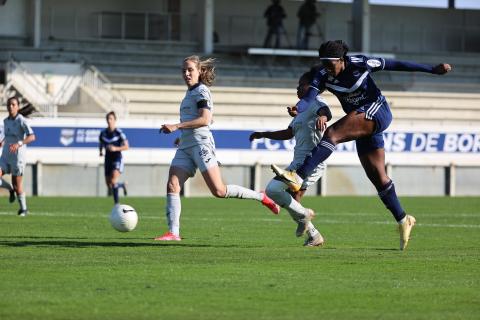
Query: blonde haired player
{"points": [[196, 148]]}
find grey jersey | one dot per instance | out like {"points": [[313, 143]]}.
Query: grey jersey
{"points": [[196, 97], [305, 132], [15, 130]]}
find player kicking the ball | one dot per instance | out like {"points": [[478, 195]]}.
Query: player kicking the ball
{"points": [[367, 116]]}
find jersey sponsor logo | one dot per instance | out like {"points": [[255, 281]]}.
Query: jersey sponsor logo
{"points": [[355, 99], [374, 63]]}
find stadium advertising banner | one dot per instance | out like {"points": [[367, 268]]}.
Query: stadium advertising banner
{"points": [[58, 137], [76, 141]]}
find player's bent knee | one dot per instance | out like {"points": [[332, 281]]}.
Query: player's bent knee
{"points": [[173, 187], [331, 134], [274, 188]]}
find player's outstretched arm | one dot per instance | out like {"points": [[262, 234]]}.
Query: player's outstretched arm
{"points": [[286, 134], [396, 65]]}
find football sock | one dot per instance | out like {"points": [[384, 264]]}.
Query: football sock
{"points": [[4, 184], [115, 193], [276, 191], [320, 153], [390, 199], [22, 200], [234, 191], [174, 208], [311, 230]]}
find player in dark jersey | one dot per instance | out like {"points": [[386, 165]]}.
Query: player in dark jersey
{"points": [[367, 116], [114, 141]]}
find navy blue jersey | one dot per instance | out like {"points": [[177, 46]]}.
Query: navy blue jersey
{"points": [[354, 87], [116, 138]]}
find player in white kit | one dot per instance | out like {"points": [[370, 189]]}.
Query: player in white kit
{"points": [[13, 160], [307, 128], [196, 148]]}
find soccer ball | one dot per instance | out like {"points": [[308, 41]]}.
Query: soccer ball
{"points": [[123, 218]]}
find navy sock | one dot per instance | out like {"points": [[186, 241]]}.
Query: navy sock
{"points": [[390, 199], [320, 153], [115, 193]]}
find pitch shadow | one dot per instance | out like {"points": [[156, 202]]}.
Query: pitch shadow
{"points": [[109, 244]]}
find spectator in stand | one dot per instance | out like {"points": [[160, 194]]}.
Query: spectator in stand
{"points": [[307, 15], [274, 15]]}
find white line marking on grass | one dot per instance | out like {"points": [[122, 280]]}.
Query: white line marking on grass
{"points": [[319, 220]]}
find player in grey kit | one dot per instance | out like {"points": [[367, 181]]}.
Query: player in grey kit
{"points": [[13, 160], [307, 128], [196, 148]]}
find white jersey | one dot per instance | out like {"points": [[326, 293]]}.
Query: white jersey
{"points": [[196, 97], [15, 129], [306, 135]]}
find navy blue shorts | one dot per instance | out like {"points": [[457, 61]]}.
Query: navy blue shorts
{"points": [[111, 166], [379, 112]]}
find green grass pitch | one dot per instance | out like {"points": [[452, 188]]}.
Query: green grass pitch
{"points": [[238, 261]]}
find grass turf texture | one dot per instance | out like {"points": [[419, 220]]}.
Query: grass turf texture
{"points": [[238, 261]]}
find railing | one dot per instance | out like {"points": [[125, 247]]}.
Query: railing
{"points": [[100, 88], [32, 88], [67, 89]]}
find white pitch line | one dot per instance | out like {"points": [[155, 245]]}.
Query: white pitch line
{"points": [[319, 220]]}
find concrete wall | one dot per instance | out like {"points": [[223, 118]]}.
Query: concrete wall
{"points": [[150, 180]]}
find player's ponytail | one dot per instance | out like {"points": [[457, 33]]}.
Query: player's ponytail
{"points": [[333, 49], [206, 68], [27, 110]]}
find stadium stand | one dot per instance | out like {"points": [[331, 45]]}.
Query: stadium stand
{"points": [[249, 102]]}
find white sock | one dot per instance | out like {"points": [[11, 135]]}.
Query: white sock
{"points": [[311, 230], [174, 208], [4, 184], [276, 191], [22, 200], [234, 191]]}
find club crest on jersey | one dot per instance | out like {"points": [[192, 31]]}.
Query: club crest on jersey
{"points": [[374, 63]]}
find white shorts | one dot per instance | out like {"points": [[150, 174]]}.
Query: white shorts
{"points": [[12, 166], [312, 178], [200, 157]]}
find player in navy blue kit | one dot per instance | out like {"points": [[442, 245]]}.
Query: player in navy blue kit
{"points": [[367, 116], [114, 141]]}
